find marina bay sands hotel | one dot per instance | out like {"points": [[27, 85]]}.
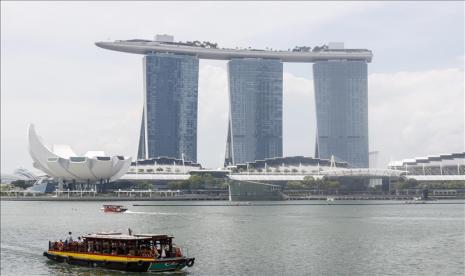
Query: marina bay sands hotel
{"points": [[255, 82]]}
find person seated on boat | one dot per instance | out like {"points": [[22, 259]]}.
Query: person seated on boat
{"points": [[114, 245], [144, 252], [60, 245], [147, 252], [155, 252], [120, 249], [177, 251]]}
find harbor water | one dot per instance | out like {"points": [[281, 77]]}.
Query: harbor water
{"points": [[291, 239]]}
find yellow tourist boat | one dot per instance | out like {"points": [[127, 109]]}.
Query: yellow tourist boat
{"points": [[137, 253]]}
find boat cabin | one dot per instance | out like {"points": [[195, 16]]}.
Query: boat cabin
{"points": [[117, 244]]}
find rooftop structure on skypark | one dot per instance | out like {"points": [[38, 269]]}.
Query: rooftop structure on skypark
{"points": [[207, 50]]}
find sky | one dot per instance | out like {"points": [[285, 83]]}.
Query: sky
{"points": [[75, 93]]}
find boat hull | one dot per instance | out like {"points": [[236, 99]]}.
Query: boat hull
{"points": [[139, 266], [174, 264], [119, 262]]}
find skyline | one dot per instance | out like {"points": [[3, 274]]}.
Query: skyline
{"points": [[66, 73]]}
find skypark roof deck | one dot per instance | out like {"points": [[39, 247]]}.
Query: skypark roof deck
{"points": [[138, 46]]}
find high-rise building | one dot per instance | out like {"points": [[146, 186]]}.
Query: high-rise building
{"points": [[169, 121], [256, 100], [341, 98]]}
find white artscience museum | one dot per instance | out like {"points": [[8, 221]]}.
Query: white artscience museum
{"points": [[61, 163]]}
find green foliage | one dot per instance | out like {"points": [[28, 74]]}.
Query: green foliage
{"points": [[143, 186], [332, 185], [120, 184], [309, 182], [413, 184], [178, 185], [21, 184], [6, 187], [196, 182], [295, 185]]}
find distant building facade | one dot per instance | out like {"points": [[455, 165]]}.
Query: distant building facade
{"points": [[163, 165], [341, 99], [169, 121], [290, 165], [444, 165], [256, 108]]}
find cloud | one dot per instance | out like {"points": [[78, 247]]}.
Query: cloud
{"points": [[192, 20], [413, 114]]}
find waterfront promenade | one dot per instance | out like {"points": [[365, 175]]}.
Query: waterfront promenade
{"points": [[195, 197]]}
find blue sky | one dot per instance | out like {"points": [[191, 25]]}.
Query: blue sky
{"points": [[76, 93]]}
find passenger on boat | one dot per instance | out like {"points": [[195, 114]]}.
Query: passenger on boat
{"points": [[59, 245], [177, 251], [70, 238], [90, 246], [163, 253], [155, 252]]}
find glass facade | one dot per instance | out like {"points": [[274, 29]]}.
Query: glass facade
{"points": [[256, 100], [169, 123], [341, 98]]}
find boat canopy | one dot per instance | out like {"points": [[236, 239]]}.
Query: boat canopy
{"points": [[115, 237], [153, 236]]}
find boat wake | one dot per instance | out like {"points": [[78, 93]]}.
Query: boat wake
{"points": [[148, 213], [21, 250]]}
